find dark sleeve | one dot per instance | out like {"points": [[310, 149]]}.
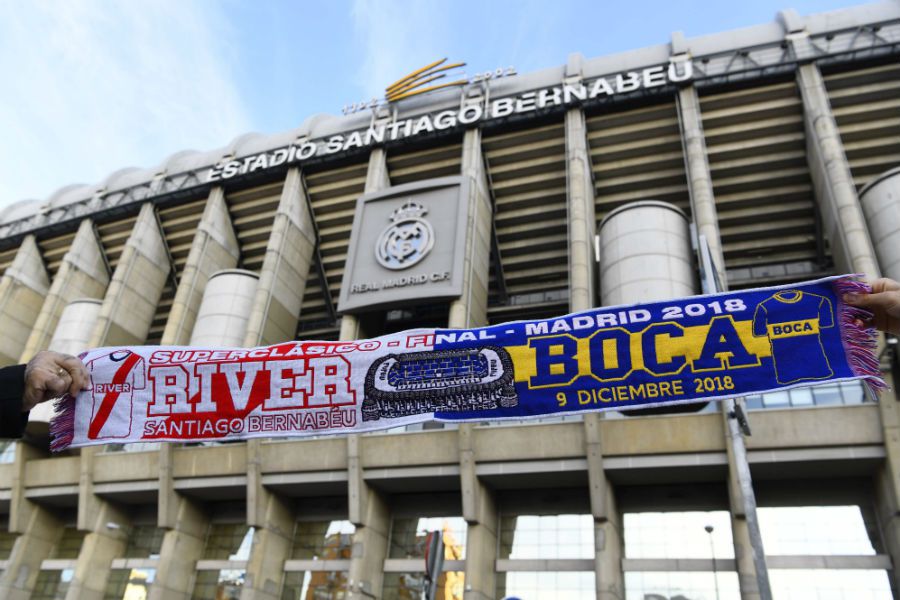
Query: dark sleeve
{"points": [[12, 386]]}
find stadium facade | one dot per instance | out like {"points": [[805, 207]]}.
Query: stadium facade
{"points": [[779, 145]]}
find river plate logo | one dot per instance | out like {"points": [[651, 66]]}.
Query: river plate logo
{"points": [[407, 240]]}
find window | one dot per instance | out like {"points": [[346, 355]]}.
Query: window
{"points": [[125, 584], [814, 530], [53, 581], [132, 575], [547, 536], [563, 542], [698, 585], [408, 541], [678, 535], [221, 572], [314, 542], [52, 584], [823, 584], [547, 585], [821, 395], [676, 555], [7, 541], [854, 569], [7, 452]]}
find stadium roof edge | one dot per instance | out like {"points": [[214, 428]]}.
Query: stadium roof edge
{"points": [[322, 125]]}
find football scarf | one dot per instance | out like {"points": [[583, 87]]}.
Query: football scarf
{"points": [[701, 348]]}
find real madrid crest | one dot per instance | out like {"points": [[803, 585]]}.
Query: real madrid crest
{"points": [[407, 240]]}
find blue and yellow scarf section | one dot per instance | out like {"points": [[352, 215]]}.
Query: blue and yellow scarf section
{"points": [[701, 348]]}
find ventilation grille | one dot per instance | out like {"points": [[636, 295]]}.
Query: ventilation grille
{"points": [[113, 236], [53, 250], [6, 258], [764, 196], [252, 213], [333, 196], [637, 155], [419, 164], [866, 106], [179, 225], [527, 172]]}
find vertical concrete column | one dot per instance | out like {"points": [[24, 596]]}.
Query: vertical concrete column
{"points": [[101, 542], [740, 532], [887, 509], [888, 478], [39, 535], [136, 287], [370, 514], [844, 222], [377, 179], [607, 522], [282, 280], [470, 309], [22, 290], [181, 548], [106, 539], [842, 215], [274, 522], [696, 160], [81, 274], [168, 499], [215, 247], [38, 527], [480, 512], [582, 217]]}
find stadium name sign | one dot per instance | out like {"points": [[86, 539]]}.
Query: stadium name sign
{"points": [[428, 123]]}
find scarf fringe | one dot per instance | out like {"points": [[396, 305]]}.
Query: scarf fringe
{"points": [[62, 425], [860, 341]]}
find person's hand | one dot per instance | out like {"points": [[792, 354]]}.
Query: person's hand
{"points": [[50, 375], [884, 302]]}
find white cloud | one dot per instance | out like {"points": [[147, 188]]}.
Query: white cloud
{"points": [[90, 87]]}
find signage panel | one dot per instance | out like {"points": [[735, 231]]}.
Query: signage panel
{"points": [[407, 245]]}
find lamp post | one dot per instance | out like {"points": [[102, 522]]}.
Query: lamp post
{"points": [[712, 553]]}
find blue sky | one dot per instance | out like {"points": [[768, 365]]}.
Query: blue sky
{"points": [[91, 86]]}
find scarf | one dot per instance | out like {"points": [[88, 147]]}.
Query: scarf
{"points": [[702, 348]]}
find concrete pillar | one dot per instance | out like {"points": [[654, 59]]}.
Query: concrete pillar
{"points": [[39, 530], [215, 247], [282, 280], [703, 202], [83, 273], [470, 309], [582, 218], [740, 532], [608, 539], [137, 284], [40, 535], [274, 522], [480, 512], [887, 510], [22, 290], [181, 548], [842, 215], [100, 546], [368, 511], [377, 179]]}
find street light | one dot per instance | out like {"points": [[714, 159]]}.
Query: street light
{"points": [[712, 553]]}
